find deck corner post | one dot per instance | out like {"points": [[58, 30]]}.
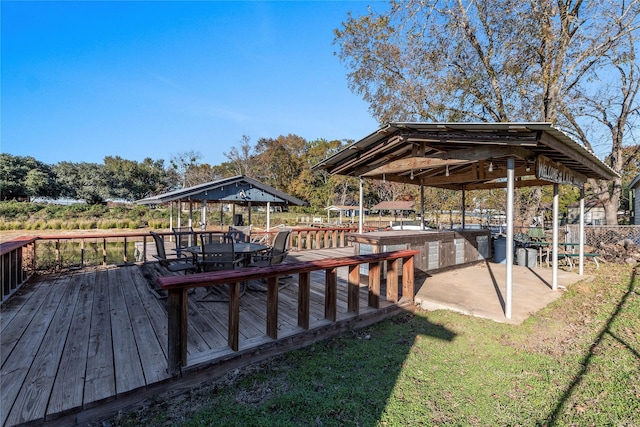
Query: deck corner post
{"points": [[177, 330], [393, 267], [353, 292], [374, 284], [408, 277]]}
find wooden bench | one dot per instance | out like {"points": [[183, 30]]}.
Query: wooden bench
{"points": [[570, 256]]}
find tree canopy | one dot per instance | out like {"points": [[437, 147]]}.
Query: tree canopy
{"points": [[502, 60]]}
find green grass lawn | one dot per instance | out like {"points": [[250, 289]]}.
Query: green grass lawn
{"points": [[576, 363]]}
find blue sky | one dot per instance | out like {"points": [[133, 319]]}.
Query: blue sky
{"points": [[85, 80]]}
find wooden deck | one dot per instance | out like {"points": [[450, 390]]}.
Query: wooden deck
{"points": [[80, 345]]}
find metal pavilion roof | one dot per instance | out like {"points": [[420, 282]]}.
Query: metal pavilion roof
{"points": [[468, 155], [240, 190]]}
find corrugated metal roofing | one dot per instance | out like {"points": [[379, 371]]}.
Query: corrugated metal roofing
{"points": [[454, 155], [240, 190]]}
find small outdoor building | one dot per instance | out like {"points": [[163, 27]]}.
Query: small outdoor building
{"points": [[343, 210], [472, 156], [237, 191], [594, 213]]}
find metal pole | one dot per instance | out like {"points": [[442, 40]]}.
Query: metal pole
{"points": [[361, 217], [268, 216], [554, 267], [511, 165], [421, 204], [581, 238], [464, 207], [203, 216]]}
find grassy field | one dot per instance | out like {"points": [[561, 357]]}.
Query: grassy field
{"points": [[576, 363]]}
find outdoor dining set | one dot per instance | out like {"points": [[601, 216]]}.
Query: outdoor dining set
{"points": [[213, 251]]}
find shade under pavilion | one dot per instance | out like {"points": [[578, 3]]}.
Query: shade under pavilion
{"points": [[470, 156]]}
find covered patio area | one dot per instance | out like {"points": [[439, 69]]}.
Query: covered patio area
{"points": [[478, 290], [474, 156]]}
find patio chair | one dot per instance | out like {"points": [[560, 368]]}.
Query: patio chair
{"points": [[171, 264], [275, 255], [215, 257], [211, 238], [240, 234], [184, 237]]}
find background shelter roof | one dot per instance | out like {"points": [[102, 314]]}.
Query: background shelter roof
{"points": [[396, 205], [468, 155], [239, 190]]}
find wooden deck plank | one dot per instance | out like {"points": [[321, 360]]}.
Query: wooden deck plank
{"points": [[121, 325], [68, 388], [128, 367], [156, 311], [17, 304], [16, 367], [147, 344], [100, 380], [31, 402], [19, 316]]}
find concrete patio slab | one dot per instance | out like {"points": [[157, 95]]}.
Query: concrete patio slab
{"points": [[479, 290]]}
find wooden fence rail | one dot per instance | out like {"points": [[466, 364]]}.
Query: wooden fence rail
{"points": [[17, 260], [64, 251], [177, 287]]}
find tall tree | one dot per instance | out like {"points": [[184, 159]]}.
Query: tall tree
{"points": [[282, 159], [22, 176], [132, 180], [85, 181], [487, 60], [185, 166], [243, 159]]}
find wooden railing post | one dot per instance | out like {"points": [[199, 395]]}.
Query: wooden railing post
{"points": [[272, 307], [177, 330], [234, 316], [393, 267], [331, 294], [407, 277], [374, 284], [353, 289], [304, 299]]}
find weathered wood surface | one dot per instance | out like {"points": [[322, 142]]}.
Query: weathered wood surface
{"points": [[97, 337]]}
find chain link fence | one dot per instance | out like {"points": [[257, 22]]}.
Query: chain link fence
{"points": [[603, 234]]}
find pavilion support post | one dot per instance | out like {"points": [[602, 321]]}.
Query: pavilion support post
{"points": [[421, 204], [170, 219], [554, 251], [269, 216], [249, 213], [203, 216], [509, 250], [361, 203], [581, 231], [464, 207], [221, 215], [179, 214]]}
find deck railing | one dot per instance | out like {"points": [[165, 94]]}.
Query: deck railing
{"points": [[177, 287], [17, 260], [76, 251]]}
